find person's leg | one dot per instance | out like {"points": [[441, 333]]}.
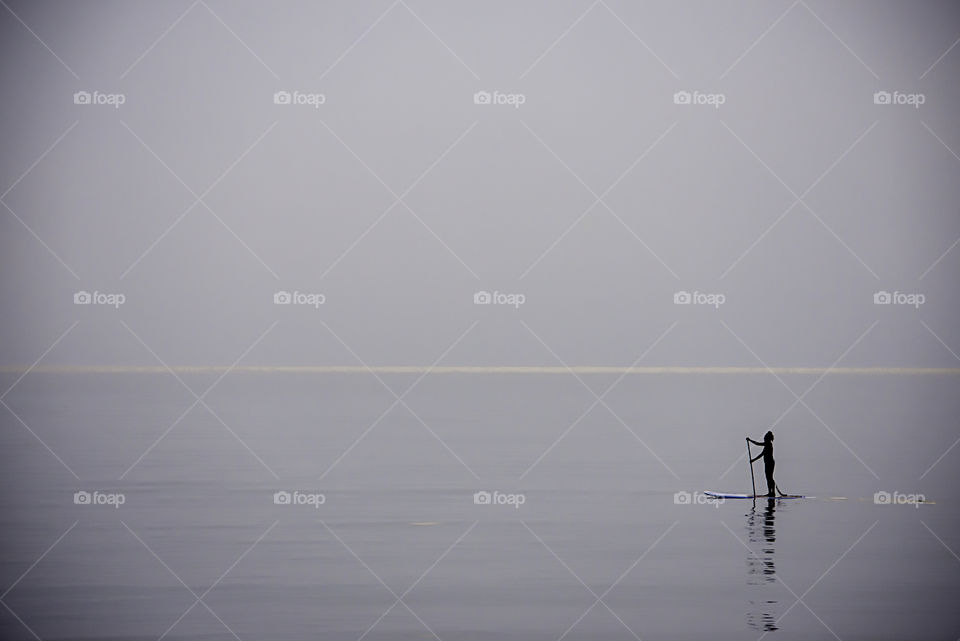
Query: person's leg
{"points": [[771, 484]]}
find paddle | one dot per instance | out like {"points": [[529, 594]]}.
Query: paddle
{"points": [[753, 483]]}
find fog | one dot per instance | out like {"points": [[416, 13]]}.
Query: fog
{"points": [[393, 256], [797, 198]]}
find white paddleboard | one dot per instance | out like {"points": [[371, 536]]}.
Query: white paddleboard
{"points": [[728, 495]]}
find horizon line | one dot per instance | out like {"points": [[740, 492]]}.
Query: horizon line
{"points": [[474, 369]]}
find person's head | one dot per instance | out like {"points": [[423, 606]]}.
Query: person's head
{"points": [[768, 437]]}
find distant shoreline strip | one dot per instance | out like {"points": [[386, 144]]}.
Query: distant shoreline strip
{"points": [[474, 369]]}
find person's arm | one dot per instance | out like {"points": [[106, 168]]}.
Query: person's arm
{"points": [[756, 458], [754, 442]]}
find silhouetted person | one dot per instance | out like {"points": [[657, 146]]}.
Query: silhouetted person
{"points": [[767, 456]]}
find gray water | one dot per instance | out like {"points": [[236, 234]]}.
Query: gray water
{"points": [[598, 519]]}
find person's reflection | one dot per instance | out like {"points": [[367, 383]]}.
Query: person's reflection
{"points": [[761, 569]]}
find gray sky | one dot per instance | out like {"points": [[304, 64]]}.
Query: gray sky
{"points": [[494, 197]]}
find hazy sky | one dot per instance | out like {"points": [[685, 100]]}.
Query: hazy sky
{"points": [[589, 191]]}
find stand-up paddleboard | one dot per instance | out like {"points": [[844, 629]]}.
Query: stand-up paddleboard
{"points": [[727, 495]]}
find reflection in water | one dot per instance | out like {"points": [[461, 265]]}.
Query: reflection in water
{"points": [[761, 570]]}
